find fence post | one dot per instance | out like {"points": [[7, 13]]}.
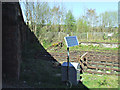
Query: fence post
{"points": [[105, 64], [112, 71], [87, 35], [59, 36]]}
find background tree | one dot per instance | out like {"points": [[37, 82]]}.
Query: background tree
{"points": [[49, 23], [57, 17], [109, 19], [82, 26], [91, 18], [26, 11], [70, 22]]}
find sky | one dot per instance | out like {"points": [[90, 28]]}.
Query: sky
{"points": [[78, 8]]}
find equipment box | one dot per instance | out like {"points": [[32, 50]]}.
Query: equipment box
{"points": [[74, 72]]}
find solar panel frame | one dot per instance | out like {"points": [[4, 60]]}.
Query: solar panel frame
{"points": [[71, 41]]}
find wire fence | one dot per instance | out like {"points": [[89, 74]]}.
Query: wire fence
{"points": [[89, 36]]}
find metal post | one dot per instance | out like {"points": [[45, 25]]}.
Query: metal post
{"points": [[68, 64]]}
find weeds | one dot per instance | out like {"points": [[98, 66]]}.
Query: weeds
{"points": [[100, 81]]}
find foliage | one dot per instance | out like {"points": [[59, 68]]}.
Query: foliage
{"points": [[92, 48], [42, 19], [91, 16], [109, 19], [70, 22], [82, 25], [100, 81]]}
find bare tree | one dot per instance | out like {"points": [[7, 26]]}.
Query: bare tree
{"points": [[91, 17]]}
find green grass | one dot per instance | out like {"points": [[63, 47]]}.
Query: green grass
{"points": [[85, 48], [100, 48], [98, 40], [91, 48], [100, 81], [40, 73]]}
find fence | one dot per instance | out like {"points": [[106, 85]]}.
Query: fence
{"points": [[94, 62], [100, 64], [57, 36]]}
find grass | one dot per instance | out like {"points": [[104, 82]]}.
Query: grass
{"points": [[95, 80], [40, 73], [99, 40], [85, 48], [82, 47], [100, 81], [91, 48]]}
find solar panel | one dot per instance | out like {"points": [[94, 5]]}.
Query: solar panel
{"points": [[71, 41]]}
